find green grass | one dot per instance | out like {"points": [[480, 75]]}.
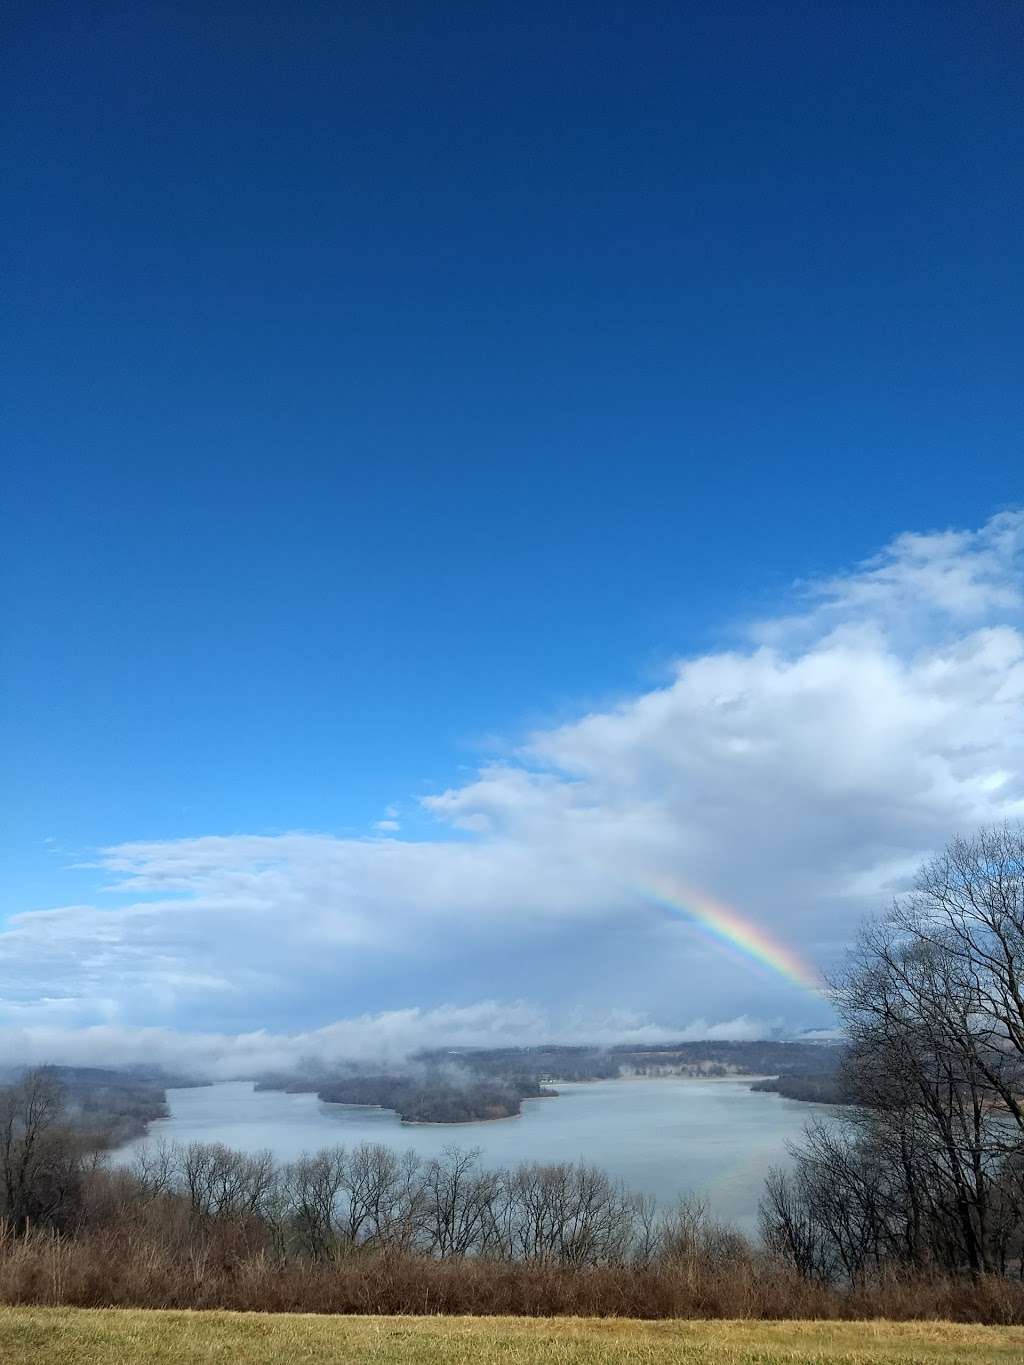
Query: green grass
{"points": [[76, 1336]]}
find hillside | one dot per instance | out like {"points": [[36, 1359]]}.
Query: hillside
{"points": [[50, 1336], [107, 1105]]}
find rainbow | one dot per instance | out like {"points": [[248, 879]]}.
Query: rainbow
{"points": [[733, 931]]}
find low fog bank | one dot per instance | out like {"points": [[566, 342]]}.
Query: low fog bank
{"points": [[388, 1041]]}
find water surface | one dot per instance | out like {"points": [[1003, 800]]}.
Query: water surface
{"points": [[666, 1137]]}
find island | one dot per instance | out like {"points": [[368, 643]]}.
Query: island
{"points": [[453, 1096]]}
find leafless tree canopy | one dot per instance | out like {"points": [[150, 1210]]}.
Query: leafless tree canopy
{"points": [[40, 1157], [372, 1198], [928, 1170]]}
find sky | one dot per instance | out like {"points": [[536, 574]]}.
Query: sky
{"points": [[501, 504]]}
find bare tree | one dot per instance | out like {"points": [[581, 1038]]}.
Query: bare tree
{"points": [[222, 1183], [312, 1192], [40, 1157], [932, 1003]]}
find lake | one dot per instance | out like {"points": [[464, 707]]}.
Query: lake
{"points": [[666, 1137]]}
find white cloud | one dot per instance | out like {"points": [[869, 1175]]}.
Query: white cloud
{"points": [[799, 776], [919, 583], [381, 1038]]}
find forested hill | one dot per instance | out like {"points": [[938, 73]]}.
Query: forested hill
{"points": [[764, 1057], [815, 1087], [760, 1058], [110, 1107]]}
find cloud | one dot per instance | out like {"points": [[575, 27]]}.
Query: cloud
{"points": [[965, 574], [387, 1037], [799, 776]]}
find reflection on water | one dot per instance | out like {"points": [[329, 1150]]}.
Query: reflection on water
{"points": [[664, 1137]]}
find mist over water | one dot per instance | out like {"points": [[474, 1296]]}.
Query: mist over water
{"points": [[667, 1137]]}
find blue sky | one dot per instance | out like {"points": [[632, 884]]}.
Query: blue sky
{"points": [[386, 386]]}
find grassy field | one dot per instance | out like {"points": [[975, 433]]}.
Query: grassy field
{"points": [[62, 1336]]}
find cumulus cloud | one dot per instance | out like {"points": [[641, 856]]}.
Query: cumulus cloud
{"points": [[799, 776]]}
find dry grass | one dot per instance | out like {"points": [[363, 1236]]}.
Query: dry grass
{"points": [[60, 1336], [103, 1271]]}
